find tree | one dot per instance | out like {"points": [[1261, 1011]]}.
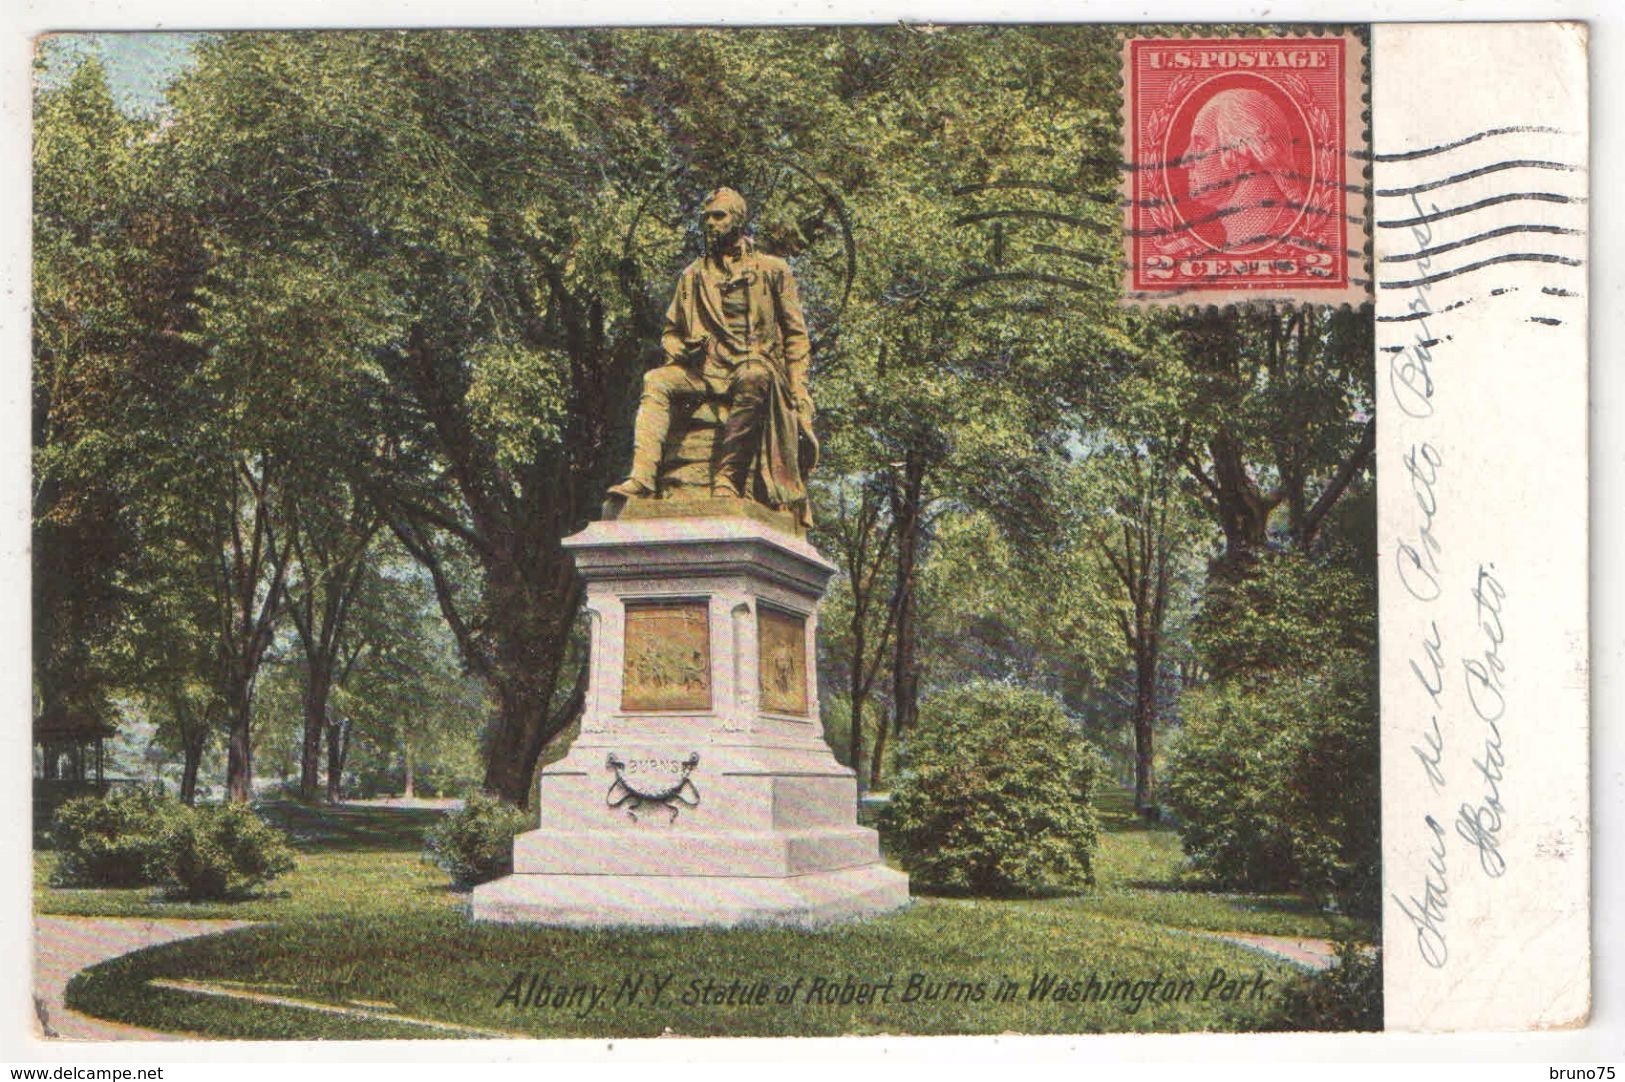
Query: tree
{"points": [[98, 306], [1280, 403], [998, 608], [175, 657], [190, 714], [445, 216], [251, 579], [856, 526], [399, 705], [211, 504], [330, 540], [207, 590], [964, 348], [137, 426], [134, 467], [412, 713], [1146, 536], [1275, 773]]}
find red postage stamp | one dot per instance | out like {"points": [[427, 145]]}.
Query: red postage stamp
{"points": [[1243, 176]]}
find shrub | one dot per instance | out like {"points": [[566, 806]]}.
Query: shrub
{"points": [[114, 841], [224, 851], [1273, 775], [996, 794], [1348, 996], [474, 844], [1275, 785]]}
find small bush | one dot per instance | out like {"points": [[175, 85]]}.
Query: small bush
{"points": [[1348, 996], [224, 851], [997, 794], [1275, 785], [474, 844], [114, 841], [139, 836]]}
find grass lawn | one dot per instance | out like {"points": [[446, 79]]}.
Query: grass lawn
{"points": [[352, 861], [1139, 876], [364, 922]]}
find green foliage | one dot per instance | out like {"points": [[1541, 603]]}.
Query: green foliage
{"points": [[1012, 609], [359, 882], [474, 844], [1291, 613], [119, 840], [137, 835], [440, 288], [353, 860], [1346, 997], [96, 275], [407, 699], [1274, 774], [220, 851], [835, 711], [1276, 404], [997, 794]]}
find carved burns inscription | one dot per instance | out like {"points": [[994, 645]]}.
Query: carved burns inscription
{"points": [[783, 640], [668, 656]]}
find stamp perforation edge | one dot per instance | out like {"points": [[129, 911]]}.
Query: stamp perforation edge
{"points": [[1355, 132]]}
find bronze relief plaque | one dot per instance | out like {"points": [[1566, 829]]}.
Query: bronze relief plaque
{"points": [[783, 667], [668, 656]]}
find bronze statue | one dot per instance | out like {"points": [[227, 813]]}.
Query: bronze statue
{"points": [[729, 412]]}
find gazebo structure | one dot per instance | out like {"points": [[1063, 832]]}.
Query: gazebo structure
{"points": [[70, 755]]}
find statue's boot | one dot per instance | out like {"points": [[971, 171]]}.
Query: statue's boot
{"points": [[742, 431], [631, 488], [649, 430]]}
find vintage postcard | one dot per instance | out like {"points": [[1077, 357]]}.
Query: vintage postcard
{"points": [[820, 531]]}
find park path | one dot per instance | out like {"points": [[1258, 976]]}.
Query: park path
{"points": [[65, 945], [1316, 954]]}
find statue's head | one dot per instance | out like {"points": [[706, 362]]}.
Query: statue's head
{"points": [[722, 215]]}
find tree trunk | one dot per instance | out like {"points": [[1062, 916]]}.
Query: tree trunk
{"points": [[905, 672], [1145, 715], [338, 748], [192, 757], [907, 513], [1244, 511], [858, 695], [535, 623], [880, 752], [317, 688], [407, 789], [522, 731], [239, 747], [1140, 552]]}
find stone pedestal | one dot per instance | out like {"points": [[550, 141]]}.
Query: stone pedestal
{"points": [[700, 790]]}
